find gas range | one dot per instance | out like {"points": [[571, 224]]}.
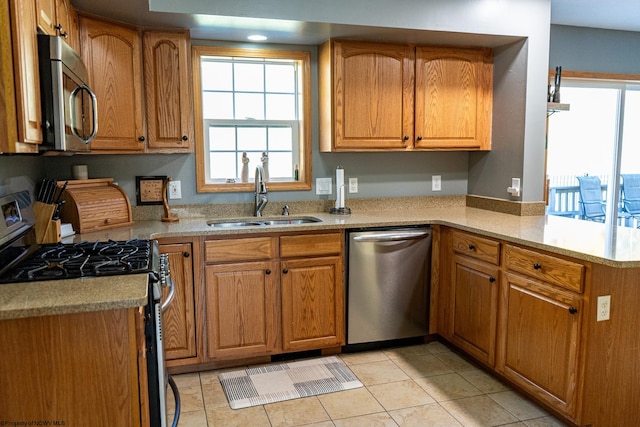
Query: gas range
{"points": [[84, 259]]}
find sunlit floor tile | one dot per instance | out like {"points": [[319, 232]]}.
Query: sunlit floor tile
{"points": [[400, 394], [432, 415], [350, 403], [296, 412], [478, 411], [447, 387]]}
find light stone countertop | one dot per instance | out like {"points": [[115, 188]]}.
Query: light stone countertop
{"points": [[51, 297], [618, 247]]}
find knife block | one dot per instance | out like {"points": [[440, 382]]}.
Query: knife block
{"points": [[47, 229]]}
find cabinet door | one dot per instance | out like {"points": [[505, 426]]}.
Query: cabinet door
{"points": [[474, 312], [68, 21], [454, 90], [241, 309], [373, 103], [312, 303], [26, 74], [179, 320], [46, 15], [539, 340], [167, 91], [112, 55]]}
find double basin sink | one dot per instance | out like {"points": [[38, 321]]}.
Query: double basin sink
{"points": [[262, 222]]}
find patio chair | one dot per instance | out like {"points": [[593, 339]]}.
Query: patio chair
{"points": [[592, 207], [631, 195]]}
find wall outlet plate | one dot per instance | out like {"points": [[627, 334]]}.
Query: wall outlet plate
{"points": [[436, 183], [604, 308], [353, 185], [175, 190]]}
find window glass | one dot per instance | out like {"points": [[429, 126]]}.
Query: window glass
{"points": [[590, 148], [253, 106]]}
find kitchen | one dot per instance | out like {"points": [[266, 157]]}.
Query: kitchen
{"points": [[398, 174]]}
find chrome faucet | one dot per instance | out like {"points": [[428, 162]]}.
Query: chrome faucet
{"points": [[261, 192]]}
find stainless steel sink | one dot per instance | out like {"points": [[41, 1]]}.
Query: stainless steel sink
{"points": [[262, 222]]}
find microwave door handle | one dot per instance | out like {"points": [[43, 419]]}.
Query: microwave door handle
{"points": [[94, 112]]}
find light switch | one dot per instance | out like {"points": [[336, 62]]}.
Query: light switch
{"points": [[323, 185]]}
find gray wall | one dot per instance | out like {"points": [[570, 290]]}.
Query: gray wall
{"points": [[594, 50]]}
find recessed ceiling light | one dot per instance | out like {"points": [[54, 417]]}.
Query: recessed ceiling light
{"points": [[257, 38]]}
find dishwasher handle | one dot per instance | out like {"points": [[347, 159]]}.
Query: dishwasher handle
{"points": [[392, 236]]}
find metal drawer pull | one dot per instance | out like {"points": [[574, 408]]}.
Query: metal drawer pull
{"points": [[492, 279], [537, 266], [471, 246], [573, 310]]}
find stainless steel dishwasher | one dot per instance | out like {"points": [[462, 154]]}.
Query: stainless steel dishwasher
{"points": [[388, 278]]}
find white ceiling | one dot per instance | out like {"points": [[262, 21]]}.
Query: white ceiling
{"points": [[607, 14]]}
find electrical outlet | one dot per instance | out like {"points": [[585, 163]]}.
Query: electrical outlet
{"points": [[604, 308], [436, 183], [353, 185], [175, 190]]}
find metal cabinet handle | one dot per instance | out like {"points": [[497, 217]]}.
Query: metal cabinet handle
{"points": [[285, 271], [186, 254], [185, 138], [267, 271], [492, 279], [141, 139], [537, 266], [406, 137], [471, 246], [420, 138], [573, 310]]}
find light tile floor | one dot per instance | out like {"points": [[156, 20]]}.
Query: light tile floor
{"points": [[419, 385]]}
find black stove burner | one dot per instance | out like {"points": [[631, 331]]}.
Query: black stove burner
{"points": [[68, 261]]}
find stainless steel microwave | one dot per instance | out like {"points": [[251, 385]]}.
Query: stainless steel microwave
{"points": [[69, 107]]}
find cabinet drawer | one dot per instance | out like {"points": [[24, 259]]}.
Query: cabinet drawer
{"points": [[311, 244], [560, 272], [250, 248], [476, 247]]}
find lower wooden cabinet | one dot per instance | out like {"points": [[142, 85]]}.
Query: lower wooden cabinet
{"points": [[273, 294], [518, 311], [179, 320], [241, 309], [540, 339], [312, 303], [80, 369], [474, 311]]}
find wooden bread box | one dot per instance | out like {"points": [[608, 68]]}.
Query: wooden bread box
{"points": [[94, 205]]}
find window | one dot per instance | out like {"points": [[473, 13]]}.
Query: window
{"points": [[594, 139], [252, 105]]}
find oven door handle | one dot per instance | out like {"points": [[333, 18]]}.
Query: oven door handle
{"points": [[172, 293]]}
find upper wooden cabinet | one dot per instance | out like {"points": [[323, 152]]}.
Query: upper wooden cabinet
{"points": [[24, 109], [112, 54], [116, 56], [382, 97], [454, 98], [58, 18], [366, 96], [167, 85]]}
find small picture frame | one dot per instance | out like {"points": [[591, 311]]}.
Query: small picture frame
{"points": [[149, 190]]}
